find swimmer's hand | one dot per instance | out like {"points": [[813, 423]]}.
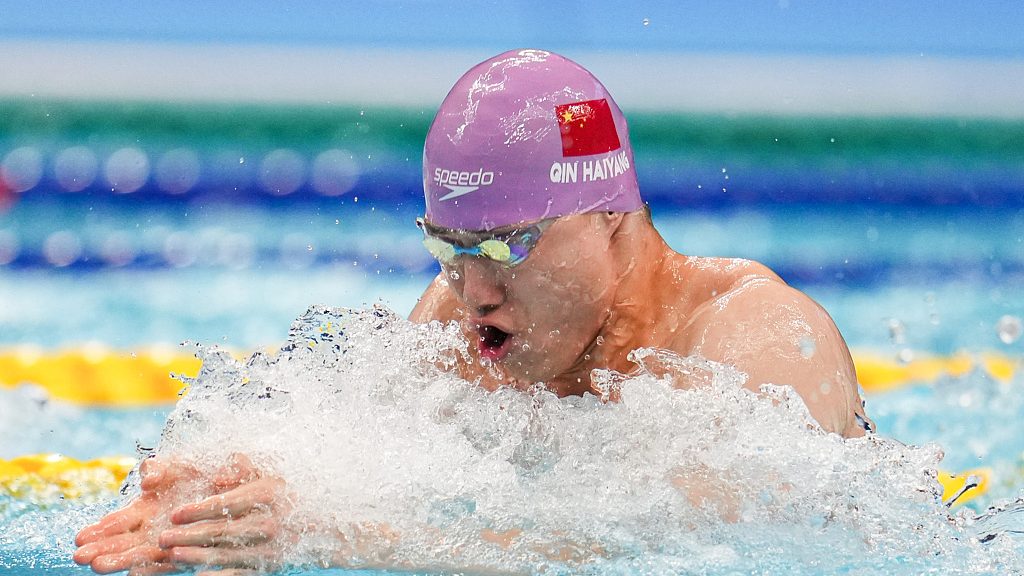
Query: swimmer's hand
{"points": [[238, 528], [126, 539], [131, 538]]}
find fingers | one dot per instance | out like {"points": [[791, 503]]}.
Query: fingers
{"points": [[248, 557], [164, 472], [253, 529], [152, 472], [137, 557], [113, 545], [113, 524], [258, 494]]}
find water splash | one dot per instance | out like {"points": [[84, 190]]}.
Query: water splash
{"points": [[675, 468], [362, 416]]}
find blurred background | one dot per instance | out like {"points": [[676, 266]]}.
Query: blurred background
{"points": [[204, 171]]}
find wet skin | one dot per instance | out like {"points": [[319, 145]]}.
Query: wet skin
{"points": [[600, 285], [596, 287]]}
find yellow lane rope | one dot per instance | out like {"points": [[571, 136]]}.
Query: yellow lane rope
{"points": [[953, 482], [97, 376], [881, 373], [50, 478]]}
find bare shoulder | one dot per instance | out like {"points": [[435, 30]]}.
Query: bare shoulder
{"points": [[776, 334], [731, 292], [437, 303], [726, 272]]}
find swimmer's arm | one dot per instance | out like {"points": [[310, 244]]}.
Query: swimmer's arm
{"points": [[777, 334]]}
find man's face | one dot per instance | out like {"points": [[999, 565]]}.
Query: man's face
{"points": [[537, 319]]}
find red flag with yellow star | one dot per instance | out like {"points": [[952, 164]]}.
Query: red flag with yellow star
{"points": [[587, 128]]}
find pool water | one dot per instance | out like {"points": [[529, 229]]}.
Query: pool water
{"points": [[910, 239]]}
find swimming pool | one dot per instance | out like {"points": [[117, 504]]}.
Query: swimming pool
{"points": [[908, 232]]}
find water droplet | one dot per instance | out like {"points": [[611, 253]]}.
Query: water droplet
{"points": [[453, 275], [897, 332], [526, 347], [646, 21], [807, 347], [600, 340], [905, 356], [1009, 329], [934, 319], [825, 388]]}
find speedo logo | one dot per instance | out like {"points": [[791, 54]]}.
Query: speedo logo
{"points": [[461, 183]]}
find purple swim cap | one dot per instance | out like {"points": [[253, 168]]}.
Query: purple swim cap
{"points": [[524, 136]]}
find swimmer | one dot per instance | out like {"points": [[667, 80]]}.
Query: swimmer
{"points": [[552, 267]]}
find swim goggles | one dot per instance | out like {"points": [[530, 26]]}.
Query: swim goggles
{"points": [[508, 246]]}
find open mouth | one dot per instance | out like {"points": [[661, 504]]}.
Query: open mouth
{"points": [[494, 343]]}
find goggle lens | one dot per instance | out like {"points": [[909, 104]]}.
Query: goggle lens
{"points": [[509, 249]]}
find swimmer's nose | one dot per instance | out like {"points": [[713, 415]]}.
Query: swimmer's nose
{"points": [[481, 285]]}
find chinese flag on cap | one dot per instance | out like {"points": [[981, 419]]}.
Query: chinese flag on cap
{"points": [[587, 128]]}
